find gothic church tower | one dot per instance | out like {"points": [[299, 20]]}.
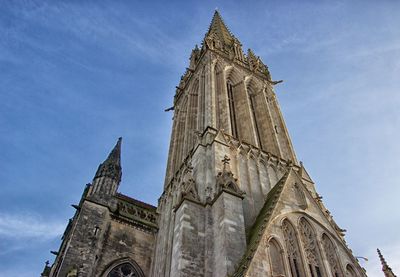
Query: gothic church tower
{"points": [[236, 201]]}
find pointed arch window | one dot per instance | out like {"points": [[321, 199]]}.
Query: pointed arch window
{"points": [[310, 245], [331, 256], [253, 111], [293, 250], [229, 89], [275, 257], [124, 268]]}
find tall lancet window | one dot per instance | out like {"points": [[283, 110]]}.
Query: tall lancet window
{"points": [[275, 257], [293, 250], [310, 245], [229, 89], [253, 110], [331, 256]]}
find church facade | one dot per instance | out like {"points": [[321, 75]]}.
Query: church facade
{"points": [[236, 201]]}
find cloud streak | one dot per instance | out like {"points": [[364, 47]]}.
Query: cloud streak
{"points": [[29, 226]]}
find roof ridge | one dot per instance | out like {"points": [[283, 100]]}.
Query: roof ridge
{"points": [[259, 225]]}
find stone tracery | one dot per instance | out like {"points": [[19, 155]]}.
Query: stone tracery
{"points": [[124, 270], [293, 250], [331, 256], [310, 246]]}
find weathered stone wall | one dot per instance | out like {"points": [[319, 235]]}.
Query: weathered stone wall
{"points": [[122, 240], [228, 233], [189, 240], [85, 241], [99, 238]]}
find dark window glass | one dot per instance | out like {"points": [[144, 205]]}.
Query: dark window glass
{"points": [[123, 270], [296, 268], [229, 88], [311, 270], [318, 271], [253, 109]]}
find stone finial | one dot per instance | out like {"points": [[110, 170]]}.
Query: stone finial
{"points": [[226, 180], [46, 270], [385, 267], [225, 161]]}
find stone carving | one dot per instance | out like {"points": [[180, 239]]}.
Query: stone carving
{"points": [[225, 179], [309, 242], [300, 197], [194, 57], [136, 212], [189, 189]]}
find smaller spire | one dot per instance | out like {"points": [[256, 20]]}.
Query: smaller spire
{"points": [[385, 267], [111, 167]]}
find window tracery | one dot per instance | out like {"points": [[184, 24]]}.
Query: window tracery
{"points": [[331, 256], [310, 246], [124, 270], [293, 250]]}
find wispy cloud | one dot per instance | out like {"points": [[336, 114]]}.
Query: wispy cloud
{"points": [[29, 226]]}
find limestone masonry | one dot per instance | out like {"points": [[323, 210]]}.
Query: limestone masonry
{"points": [[236, 201]]}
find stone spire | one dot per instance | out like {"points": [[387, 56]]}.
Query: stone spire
{"points": [[385, 268], [219, 28], [111, 167]]}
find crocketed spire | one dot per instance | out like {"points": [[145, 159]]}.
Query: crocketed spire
{"points": [[219, 28], [111, 167], [385, 267]]}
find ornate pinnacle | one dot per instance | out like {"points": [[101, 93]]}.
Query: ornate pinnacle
{"points": [[111, 167], [385, 267]]}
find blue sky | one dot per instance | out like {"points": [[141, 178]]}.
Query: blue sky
{"points": [[76, 75]]}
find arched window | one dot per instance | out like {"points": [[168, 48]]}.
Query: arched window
{"points": [[229, 89], [275, 255], [331, 256], [293, 250], [124, 268], [253, 111], [310, 245], [350, 271]]}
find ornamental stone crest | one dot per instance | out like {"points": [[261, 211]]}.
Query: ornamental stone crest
{"points": [[225, 179]]}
